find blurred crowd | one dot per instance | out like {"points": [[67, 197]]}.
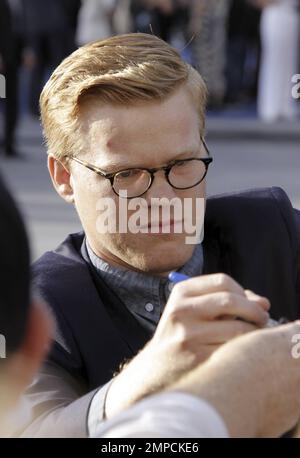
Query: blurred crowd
{"points": [[246, 50]]}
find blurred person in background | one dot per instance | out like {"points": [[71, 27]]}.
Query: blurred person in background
{"points": [[208, 26], [279, 60], [25, 324], [13, 52], [95, 20], [50, 29], [6, 52], [163, 18], [243, 51]]}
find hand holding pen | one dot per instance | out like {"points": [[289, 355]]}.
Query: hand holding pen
{"points": [[176, 277]]}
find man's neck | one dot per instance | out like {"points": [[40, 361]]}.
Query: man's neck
{"points": [[120, 264]]}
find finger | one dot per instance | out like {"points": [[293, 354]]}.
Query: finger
{"points": [[218, 305], [207, 284], [218, 332], [263, 301]]}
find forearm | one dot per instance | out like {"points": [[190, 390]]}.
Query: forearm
{"points": [[133, 382], [228, 389], [144, 376]]}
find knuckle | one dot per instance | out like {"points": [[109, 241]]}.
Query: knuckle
{"points": [[267, 302], [179, 290], [173, 316], [226, 300], [183, 345], [221, 279], [176, 315], [182, 339]]}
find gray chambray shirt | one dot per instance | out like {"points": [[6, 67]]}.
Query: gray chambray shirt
{"points": [[144, 295]]}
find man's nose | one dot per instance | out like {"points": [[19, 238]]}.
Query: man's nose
{"points": [[160, 187]]}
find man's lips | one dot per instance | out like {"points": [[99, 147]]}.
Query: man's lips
{"points": [[159, 226]]}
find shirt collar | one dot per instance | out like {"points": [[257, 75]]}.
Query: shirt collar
{"points": [[144, 295]]}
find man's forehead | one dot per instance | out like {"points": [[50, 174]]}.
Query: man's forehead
{"points": [[141, 129], [122, 149]]}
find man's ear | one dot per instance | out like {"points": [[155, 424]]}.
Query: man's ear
{"points": [[61, 179]]}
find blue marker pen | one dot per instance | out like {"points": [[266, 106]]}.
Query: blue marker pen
{"points": [[176, 277]]}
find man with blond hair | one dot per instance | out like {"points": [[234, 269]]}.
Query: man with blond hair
{"points": [[124, 124]]}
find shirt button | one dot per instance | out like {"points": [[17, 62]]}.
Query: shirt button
{"points": [[149, 307]]}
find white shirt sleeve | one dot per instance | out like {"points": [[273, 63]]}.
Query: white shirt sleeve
{"points": [[166, 415]]}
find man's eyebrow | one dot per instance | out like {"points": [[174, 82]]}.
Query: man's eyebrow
{"points": [[188, 153], [116, 167]]}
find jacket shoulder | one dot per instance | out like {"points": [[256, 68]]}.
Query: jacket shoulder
{"points": [[251, 205], [257, 198], [66, 255], [264, 213], [61, 277]]}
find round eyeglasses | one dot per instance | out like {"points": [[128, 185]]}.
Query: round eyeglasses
{"points": [[134, 182]]}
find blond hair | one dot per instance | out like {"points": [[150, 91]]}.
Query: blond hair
{"points": [[120, 70]]}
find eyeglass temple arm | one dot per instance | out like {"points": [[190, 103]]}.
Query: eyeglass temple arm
{"points": [[205, 146], [93, 168]]}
